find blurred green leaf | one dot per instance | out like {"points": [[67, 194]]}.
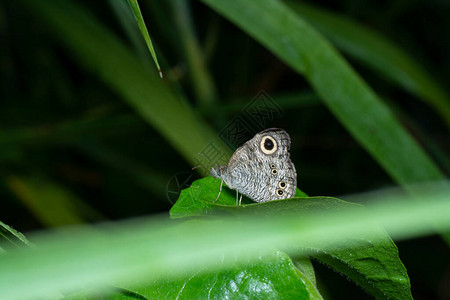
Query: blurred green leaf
{"points": [[142, 251], [371, 262], [130, 27], [140, 20], [11, 237], [378, 53], [101, 52], [350, 99], [51, 203], [201, 79], [70, 131]]}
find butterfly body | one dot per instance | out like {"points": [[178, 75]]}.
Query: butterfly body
{"points": [[261, 168]]}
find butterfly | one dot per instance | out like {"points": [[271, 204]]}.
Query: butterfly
{"points": [[261, 168]]}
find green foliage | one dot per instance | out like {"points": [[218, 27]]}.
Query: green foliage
{"points": [[140, 20], [11, 237], [351, 100], [378, 53], [270, 276], [372, 263], [89, 133]]}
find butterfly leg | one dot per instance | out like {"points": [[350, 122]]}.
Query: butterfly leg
{"points": [[220, 190], [240, 200], [237, 196]]}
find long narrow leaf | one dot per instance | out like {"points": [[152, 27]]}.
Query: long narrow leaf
{"points": [[10, 237], [378, 53], [97, 49], [350, 99], [39, 194], [140, 20]]}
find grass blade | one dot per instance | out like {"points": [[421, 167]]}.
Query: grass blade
{"points": [[140, 20], [9, 237], [51, 203], [97, 48], [350, 99]]}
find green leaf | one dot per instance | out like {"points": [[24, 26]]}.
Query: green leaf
{"points": [[347, 96], [198, 199], [306, 272], [270, 276], [377, 52], [305, 266], [201, 79], [112, 293], [140, 20], [11, 237], [371, 261], [350, 99], [38, 194]]}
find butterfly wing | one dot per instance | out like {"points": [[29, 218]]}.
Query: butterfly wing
{"points": [[262, 169]]}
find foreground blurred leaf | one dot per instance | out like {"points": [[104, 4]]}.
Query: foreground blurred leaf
{"points": [[201, 79], [11, 237], [102, 53], [50, 203], [378, 53], [371, 261], [142, 251]]}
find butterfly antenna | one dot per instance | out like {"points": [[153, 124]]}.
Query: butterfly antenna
{"points": [[220, 191]]}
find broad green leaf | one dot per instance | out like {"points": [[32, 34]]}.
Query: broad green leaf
{"points": [[155, 248], [198, 199], [270, 276], [378, 53], [372, 262], [140, 21], [11, 237], [95, 47], [348, 97]]}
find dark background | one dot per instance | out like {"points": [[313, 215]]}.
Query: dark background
{"points": [[65, 132]]}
